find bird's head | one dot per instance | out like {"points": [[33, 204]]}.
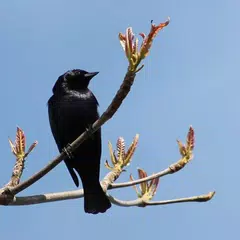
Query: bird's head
{"points": [[75, 79]]}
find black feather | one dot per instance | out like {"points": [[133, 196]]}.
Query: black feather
{"points": [[72, 109]]}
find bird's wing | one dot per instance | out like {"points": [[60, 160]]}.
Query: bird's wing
{"points": [[53, 117]]}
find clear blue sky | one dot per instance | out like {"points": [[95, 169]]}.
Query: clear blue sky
{"points": [[190, 78]]}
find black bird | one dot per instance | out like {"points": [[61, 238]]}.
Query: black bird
{"points": [[72, 109]]}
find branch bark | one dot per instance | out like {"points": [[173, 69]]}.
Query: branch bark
{"points": [[135, 182], [141, 203]]}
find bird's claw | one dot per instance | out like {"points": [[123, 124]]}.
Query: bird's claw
{"points": [[68, 151], [90, 131]]}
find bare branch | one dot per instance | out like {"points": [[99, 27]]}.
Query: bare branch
{"points": [[200, 198], [135, 182], [138, 202], [141, 203], [46, 198]]}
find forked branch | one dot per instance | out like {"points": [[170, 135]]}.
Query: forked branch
{"points": [[120, 159]]}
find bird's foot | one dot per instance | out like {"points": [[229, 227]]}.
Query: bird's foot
{"points": [[68, 151], [90, 131]]}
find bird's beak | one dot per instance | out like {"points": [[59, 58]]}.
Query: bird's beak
{"points": [[90, 75]]}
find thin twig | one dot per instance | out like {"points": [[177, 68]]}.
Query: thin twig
{"points": [[141, 203], [200, 198], [173, 168], [131, 183], [18, 150], [138, 202], [17, 172]]}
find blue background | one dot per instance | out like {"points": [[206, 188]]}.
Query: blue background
{"points": [[190, 78]]}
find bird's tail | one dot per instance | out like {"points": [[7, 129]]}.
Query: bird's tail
{"points": [[95, 200]]}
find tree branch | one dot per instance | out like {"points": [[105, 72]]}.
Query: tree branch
{"points": [[107, 184], [135, 182], [46, 198], [60, 196], [141, 203], [175, 167]]}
